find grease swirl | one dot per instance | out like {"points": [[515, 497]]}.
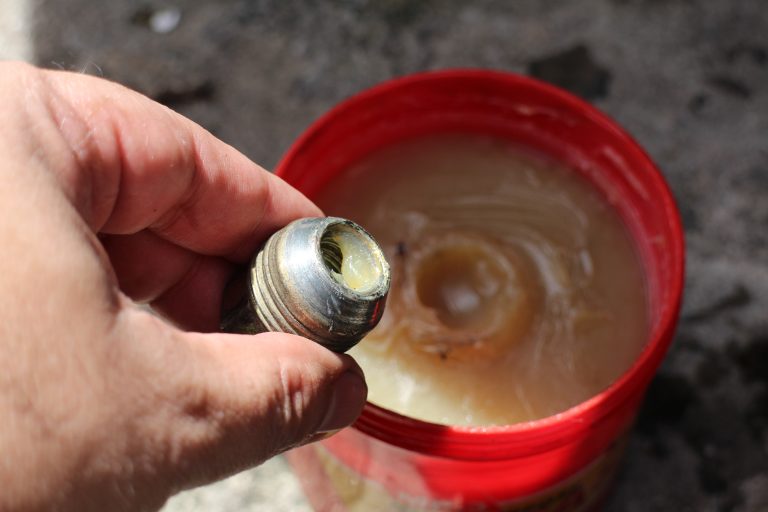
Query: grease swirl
{"points": [[516, 292]]}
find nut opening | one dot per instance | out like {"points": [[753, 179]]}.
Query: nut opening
{"points": [[352, 257]]}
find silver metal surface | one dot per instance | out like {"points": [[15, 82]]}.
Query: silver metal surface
{"points": [[293, 285]]}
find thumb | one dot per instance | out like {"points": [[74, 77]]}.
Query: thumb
{"points": [[237, 400]]}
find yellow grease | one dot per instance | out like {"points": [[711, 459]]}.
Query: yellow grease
{"points": [[360, 269]]}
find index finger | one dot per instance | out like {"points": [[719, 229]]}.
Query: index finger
{"points": [[144, 166]]}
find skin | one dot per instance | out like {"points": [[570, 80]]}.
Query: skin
{"points": [[109, 198]]}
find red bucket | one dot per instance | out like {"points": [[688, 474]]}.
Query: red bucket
{"points": [[564, 462]]}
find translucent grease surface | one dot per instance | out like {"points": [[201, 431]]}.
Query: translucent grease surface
{"points": [[516, 291]]}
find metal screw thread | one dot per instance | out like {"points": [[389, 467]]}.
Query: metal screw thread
{"points": [[291, 287], [267, 296]]}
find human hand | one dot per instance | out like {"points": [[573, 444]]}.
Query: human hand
{"points": [[107, 196]]}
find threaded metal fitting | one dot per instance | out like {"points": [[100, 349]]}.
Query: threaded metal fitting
{"points": [[325, 279]]}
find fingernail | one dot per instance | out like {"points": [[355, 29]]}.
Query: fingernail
{"points": [[322, 435], [349, 394]]}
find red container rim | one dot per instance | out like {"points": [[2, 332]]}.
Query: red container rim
{"points": [[498, 442]]}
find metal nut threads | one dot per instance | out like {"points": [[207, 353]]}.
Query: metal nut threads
{"points": [[325, 279]]}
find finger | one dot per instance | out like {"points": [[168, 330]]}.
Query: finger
{"points": [[146, 167], [185, 286], [129, 255], [230, 402], [130, 165], [193, 302]]}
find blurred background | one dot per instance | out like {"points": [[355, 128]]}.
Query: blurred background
{"points": [[687, 78]]}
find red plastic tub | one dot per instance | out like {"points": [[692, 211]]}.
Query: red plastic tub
{"points": [[561, 463]]}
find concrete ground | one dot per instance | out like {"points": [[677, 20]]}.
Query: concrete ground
{"points": [[688, 78]]}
